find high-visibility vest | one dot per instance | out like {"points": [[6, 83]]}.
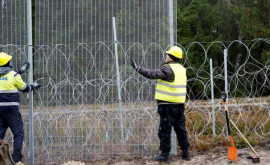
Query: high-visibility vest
{"points": [[10, 84], [173, 91]]}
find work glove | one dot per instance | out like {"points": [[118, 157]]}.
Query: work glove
{"points": [[35, 85], [134, 65], [23, 68]]}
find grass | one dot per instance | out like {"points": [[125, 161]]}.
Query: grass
{"points": [[93, 131]]}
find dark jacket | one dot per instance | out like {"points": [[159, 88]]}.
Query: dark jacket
{"points": [[165, 72]]}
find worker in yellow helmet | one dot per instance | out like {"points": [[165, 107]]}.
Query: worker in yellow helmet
{"points": [[10, 84], [170, 95]]}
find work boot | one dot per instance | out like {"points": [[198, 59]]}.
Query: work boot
{"points": [[186, 155], [162, 157], [19, 163]]}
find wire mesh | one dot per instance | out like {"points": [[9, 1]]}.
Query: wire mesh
{"points": [[76, 110], [76, 113], [13, 22]]}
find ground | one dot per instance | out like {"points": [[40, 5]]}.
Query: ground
{"points": [[216, 156]]}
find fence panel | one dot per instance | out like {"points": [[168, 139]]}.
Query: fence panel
{"points": [[76, 110], [76, 113]]}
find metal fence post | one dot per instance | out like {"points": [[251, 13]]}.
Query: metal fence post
{"points": [[212, 97], [30, 79], [174, 151], [118, 81], [171, 22]]}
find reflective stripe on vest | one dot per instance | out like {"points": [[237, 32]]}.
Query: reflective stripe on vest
{"points": [[170, 93], [9, 103], [171, 86], [8, 91], [173, 91]]}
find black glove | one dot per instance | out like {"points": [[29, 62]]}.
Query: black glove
{"points": [[23, 68], [35, 85], [134, 65]]}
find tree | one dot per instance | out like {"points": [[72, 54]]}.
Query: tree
{"points": [[224, 20]]}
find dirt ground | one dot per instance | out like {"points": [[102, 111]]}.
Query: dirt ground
{"points": [[216, 156]]}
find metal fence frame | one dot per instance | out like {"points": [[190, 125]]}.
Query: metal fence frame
{"points": [[145, 143]]}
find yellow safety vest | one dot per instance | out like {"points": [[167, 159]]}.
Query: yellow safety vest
{"points": [[10, 84], [173, 91]]}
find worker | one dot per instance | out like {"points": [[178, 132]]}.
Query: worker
{"points": [[170, 95], [10, 117]]}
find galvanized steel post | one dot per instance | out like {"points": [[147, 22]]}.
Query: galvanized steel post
{"points": [[212, 97], [30, 79], [118, 81], [174, 151], [171, 22]]}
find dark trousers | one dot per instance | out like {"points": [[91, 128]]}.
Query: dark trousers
{"points": [[172, 115], [14, 122]]}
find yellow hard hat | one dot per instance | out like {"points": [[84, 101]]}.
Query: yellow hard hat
{"points": [[176, 52], [4, 58]]}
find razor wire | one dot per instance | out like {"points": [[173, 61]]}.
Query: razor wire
{"points": [[76, 113]]}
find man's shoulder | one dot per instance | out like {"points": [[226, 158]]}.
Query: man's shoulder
{"points": [[169, 64], [166, 67], [12, 72]]}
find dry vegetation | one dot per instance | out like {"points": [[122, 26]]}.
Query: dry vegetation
{"points": [[92, 132]]}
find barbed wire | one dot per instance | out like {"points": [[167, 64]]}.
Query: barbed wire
{"points": [[76, 111]]}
